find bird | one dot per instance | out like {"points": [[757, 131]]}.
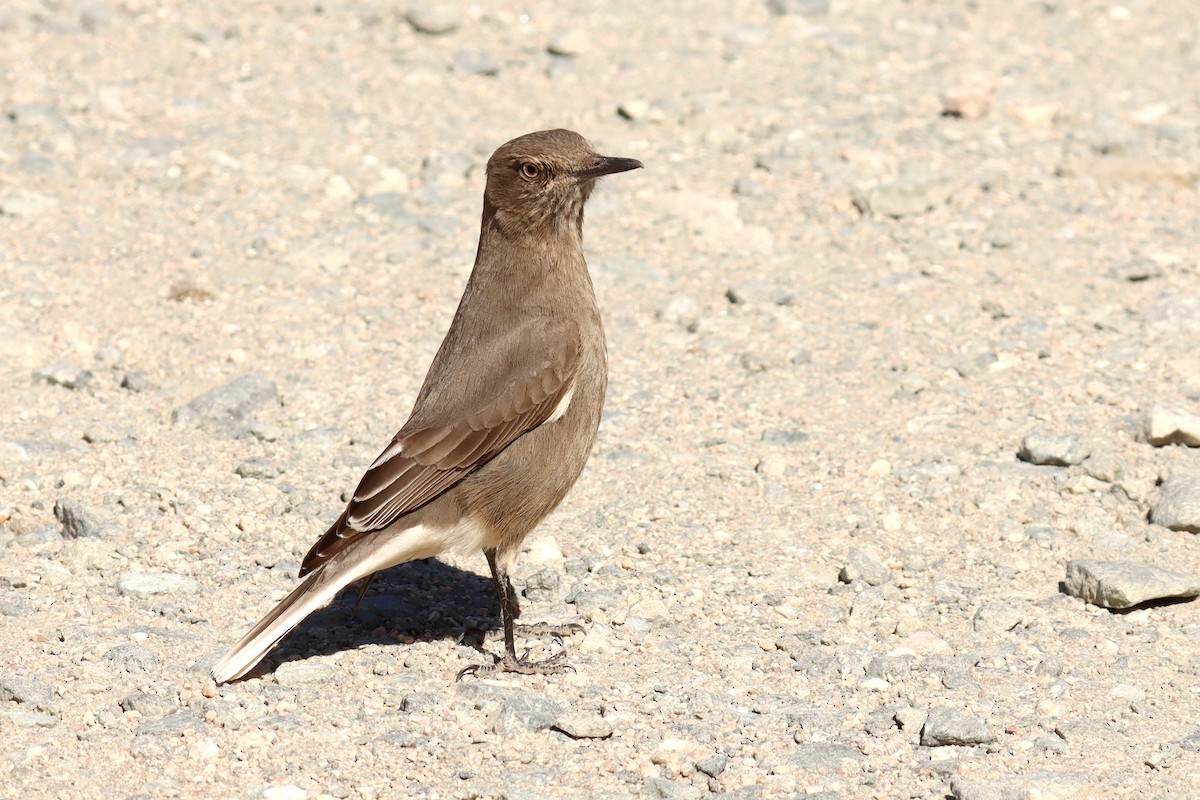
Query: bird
{"points": [[506, 417]]}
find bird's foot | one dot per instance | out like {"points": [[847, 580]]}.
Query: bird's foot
{"points": [[555, 665]]}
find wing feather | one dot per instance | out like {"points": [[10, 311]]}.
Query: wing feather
{"points": [[422, 462]]}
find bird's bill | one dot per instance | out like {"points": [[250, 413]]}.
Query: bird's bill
{"points": [[608, 165]]}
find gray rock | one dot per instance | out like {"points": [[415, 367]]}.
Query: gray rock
{"points": [[972, 364], [44, 538], [589, 602], [298, 673], [997, 618], [132, 658], [782, 436], [860, 565], [670, 790], [259, 468], [907, 196], [1135, 269], [433, 19], [107, 432], [144, 584], [26, 692], [1050, 666], [417, 702], [80, 522], [226, 409], [812, 718], [1165, 426], [823, 755], [1054, 451], [713, 765], [31, 719], [1083, 729], [1123, 584], [891, 668], [522, 710], [749, 186], [149, 706], [754, 292], [542, 585], [1049, 743], [176, 724], [800, 8], [948, 726], [135, 381], [1178, 506], [475, 62], [15, 607], [584, 726], [1035, 786], [75, 378]]}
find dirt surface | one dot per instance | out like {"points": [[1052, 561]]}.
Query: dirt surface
{"points": [[807, 556]]}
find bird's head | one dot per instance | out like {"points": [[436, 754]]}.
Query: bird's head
{"points": [[545, 178]]}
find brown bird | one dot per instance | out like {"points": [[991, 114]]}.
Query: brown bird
{"points": [[508, 412]]}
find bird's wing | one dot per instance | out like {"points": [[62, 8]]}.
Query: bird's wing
{"points": [[436, 449]]}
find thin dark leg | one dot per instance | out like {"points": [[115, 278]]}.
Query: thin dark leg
{"points": [[511, 662], [363, 585], [508, 601]]}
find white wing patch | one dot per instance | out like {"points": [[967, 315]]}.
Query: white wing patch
{"points": [[391, 452], [563, 405]]}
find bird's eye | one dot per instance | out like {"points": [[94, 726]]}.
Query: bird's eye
{"points": [[530, 170]]}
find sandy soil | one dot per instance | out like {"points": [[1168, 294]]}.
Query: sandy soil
{"points": [[806, 554]]}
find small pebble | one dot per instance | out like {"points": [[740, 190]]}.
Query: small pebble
{"points": [[1056, 451], [302, 672], [948, 726], [68, 377], [1178, 506], [433, 19], [1167, 426], [584, 726], [571, 42], [144, 584], [971, 96]]}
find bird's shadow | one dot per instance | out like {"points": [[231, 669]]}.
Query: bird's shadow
{"points": [[426, 600]]}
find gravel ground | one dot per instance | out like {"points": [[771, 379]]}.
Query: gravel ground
{"points": [[902, 317]]}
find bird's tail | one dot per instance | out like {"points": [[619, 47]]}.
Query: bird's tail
{"points": [[315, 591], [369, 554]]}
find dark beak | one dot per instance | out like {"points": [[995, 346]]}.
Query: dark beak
{"points": [[608, 165]]}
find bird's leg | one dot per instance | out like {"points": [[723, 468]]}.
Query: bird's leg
{"points": [[540, 630], [511, 662], [363, 585]]}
